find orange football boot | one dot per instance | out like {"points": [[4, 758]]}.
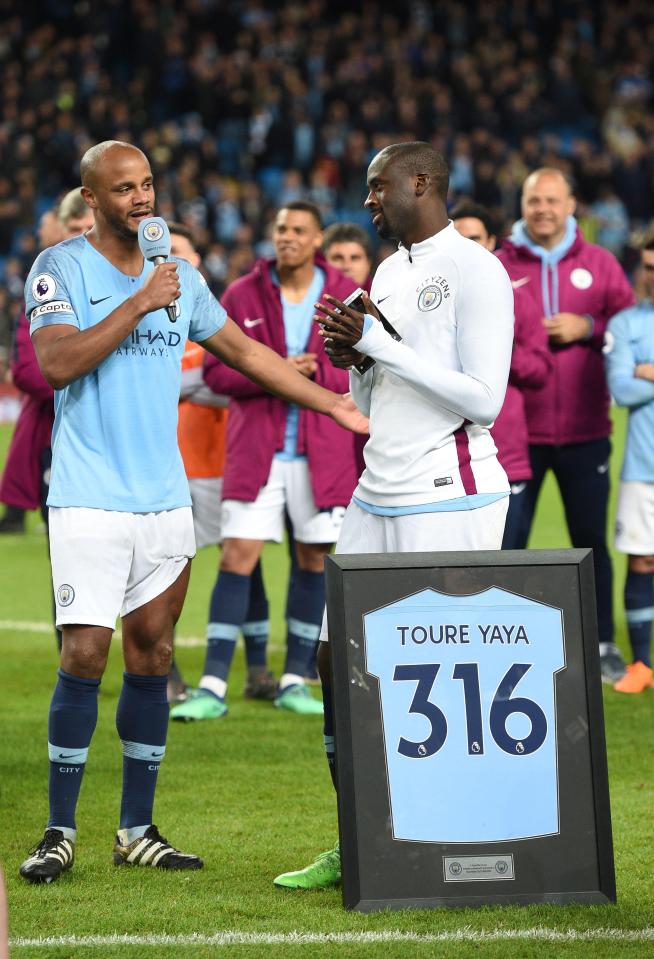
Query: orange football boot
{"points": [[636, 680]]}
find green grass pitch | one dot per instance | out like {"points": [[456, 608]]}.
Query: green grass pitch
{"points": [[251, 793]]}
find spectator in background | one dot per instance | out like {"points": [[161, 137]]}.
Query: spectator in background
{"points": [[577, 287], [612, 220], [347, 247], [201, 434], [250, 97], [629, 356], [279, 458], [530, 367]]}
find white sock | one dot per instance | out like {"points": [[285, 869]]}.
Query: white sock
{"points": [[214, 685], [68, 832], [128, 835], [290, 679]]}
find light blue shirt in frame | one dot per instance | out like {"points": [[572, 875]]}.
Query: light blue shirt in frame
{"points": [[488, 771]]}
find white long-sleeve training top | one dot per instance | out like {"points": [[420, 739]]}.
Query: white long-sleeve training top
{"points": [[432, 397]]}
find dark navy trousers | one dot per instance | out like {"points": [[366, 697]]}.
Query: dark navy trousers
{"points": [[582, 474]]}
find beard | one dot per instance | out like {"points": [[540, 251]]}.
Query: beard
{"points": [[385, 230], [121, 226]]}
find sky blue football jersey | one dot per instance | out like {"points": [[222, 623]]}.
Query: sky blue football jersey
{"points": [[114, 442], [468, 712], [629, 341]]}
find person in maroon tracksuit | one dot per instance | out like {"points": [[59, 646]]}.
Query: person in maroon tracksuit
{"points": [[530, 367], [21, 486], [577, 288], [26, 476], [280, 459], [347, 247]]}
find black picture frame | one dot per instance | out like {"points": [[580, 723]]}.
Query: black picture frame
{"points": [[576, 865]]}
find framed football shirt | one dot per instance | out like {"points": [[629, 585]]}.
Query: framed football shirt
{"points": [[469, 729]]}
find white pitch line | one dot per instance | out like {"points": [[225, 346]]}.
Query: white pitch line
{"points": [[35, 626], [466, 934]]}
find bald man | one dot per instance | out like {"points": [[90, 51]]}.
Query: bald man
{"points": [[432, 479], [121, 529], [577, 287]]}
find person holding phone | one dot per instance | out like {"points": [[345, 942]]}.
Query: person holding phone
{"points": [[432, 479]]}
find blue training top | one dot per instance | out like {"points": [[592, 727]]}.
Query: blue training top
{"points": [[114, 442], [630, 341], [298, 322]]}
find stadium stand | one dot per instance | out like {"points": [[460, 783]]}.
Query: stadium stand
{"points": [[243, 105]]}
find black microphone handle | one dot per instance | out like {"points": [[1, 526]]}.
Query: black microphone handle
{"points": [[170, 309]]}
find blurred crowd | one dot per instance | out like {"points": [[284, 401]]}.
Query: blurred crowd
{"points": [[243, 105]]}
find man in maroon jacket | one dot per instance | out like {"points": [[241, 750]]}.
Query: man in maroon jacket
{"points": [[279, 459], [577, 288], [28, 461], [20, 486], [530, 366]]}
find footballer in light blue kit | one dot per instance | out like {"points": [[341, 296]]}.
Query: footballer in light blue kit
{"points": [[109, 329], [115, 432], [629, 357]]}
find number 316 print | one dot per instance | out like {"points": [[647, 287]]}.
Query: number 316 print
{"points": [[467, 689]]}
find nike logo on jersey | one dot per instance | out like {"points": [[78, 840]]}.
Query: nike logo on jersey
{"points": [[516, 284], [382, 298], [101, 300], [247, 322], [603, 468]]}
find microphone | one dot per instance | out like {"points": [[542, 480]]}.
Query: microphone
{"points": [[154, 243]]}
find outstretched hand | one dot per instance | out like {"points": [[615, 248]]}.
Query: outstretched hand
{"points": [[347, 414]]}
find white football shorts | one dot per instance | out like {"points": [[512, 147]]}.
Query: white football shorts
{"points": [[207, 509], [107, 563], [288, 490], [364, 532], [634, 522]]}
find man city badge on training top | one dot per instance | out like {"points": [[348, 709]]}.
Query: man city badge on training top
{"points": [[65, 595], [430, 298], [44, 287], [468, 713], [431, 293], [153, 231]]}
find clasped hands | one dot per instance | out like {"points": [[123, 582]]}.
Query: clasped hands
{"points": [[563, 328], [341, 328]]}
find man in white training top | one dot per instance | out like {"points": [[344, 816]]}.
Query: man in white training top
{"points": [[432, 479]]}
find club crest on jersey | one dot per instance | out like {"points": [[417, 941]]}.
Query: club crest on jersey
{"points": [[432, 292], [581, 279], [153, 231], [65, 595], [44, 287]]}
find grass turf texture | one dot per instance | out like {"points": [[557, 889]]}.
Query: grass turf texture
{"points": [[252, 795]]}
